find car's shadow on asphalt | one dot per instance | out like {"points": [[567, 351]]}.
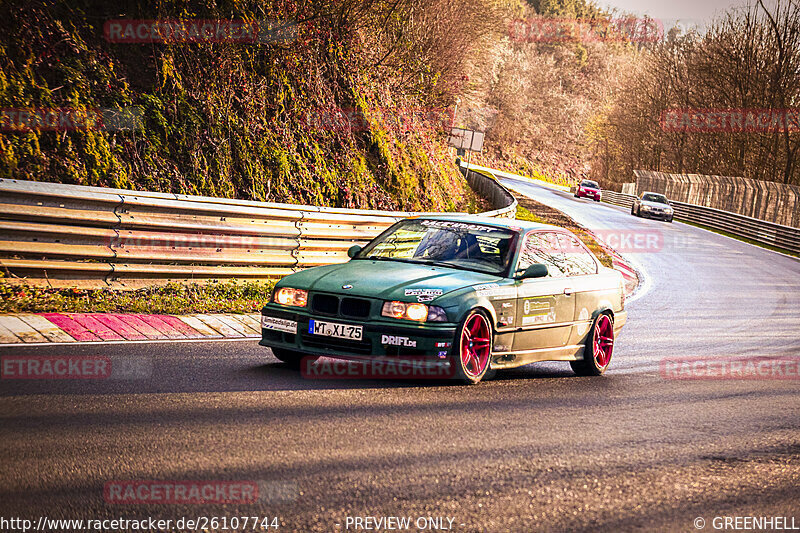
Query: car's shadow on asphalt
{"points": [[282, 375], [536, 371], [233, 367]]}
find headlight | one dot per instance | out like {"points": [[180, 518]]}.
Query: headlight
{"points": [[413, 311], [293, 297]]}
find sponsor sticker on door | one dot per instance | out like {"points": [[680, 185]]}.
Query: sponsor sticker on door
{"points": [[538, 311]]}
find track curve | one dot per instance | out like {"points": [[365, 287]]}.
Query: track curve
{"points": [[704, 294]]}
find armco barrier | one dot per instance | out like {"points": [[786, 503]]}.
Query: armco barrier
{"points": [[760, 231], [76, 236], [483, 183]]}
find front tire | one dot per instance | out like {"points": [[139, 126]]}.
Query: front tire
{"points": [[669, 220], [473, 348], [599, 348], [292, 359], [633, 210]]}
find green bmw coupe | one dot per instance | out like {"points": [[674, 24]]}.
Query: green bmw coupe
{"points": [[480, 294]]}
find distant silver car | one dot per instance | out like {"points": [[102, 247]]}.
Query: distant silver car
{"points": [[653, 205]]}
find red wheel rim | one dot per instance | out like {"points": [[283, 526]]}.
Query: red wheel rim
{"points": [[476, 345], [603, 341]]}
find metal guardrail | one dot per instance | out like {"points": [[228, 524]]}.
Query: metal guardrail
{"points": [[76, 236], [487, 186], [761, 231]]}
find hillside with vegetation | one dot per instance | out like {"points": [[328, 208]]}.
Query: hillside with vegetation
{"points": [[592, 102], [746, 63], [350, 111], [353, 110]]}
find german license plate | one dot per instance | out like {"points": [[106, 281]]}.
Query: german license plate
{"points": [[331, 329]]}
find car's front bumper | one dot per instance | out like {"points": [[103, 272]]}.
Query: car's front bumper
{"points": [[657, 215], [592, 195], [381, 338]]}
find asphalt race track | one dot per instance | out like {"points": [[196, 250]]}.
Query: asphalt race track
{"points": [[536, 449]]}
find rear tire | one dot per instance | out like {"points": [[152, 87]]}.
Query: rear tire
{"points": [[291, 358], [599, 348], [472, 354]]}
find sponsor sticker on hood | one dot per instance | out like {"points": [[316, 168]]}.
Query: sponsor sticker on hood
{"points": [[424, 295]]}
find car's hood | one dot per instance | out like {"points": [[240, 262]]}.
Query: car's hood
{"points": [[654, 204], [387, 280]]}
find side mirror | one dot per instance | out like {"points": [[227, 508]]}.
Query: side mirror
{"points": [[353, 251], [535, 271]]}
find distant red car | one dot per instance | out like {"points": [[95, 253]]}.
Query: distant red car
{"points": [[589, 189]]}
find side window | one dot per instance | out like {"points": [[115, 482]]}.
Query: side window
{"points": [[544, 248], [577, 261]]}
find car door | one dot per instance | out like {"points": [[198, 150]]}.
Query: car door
{"points": [[545, 306], [581, 270]]}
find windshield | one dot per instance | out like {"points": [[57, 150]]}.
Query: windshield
{"points": [[590, 184], [657, 198], [462, 245]]}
